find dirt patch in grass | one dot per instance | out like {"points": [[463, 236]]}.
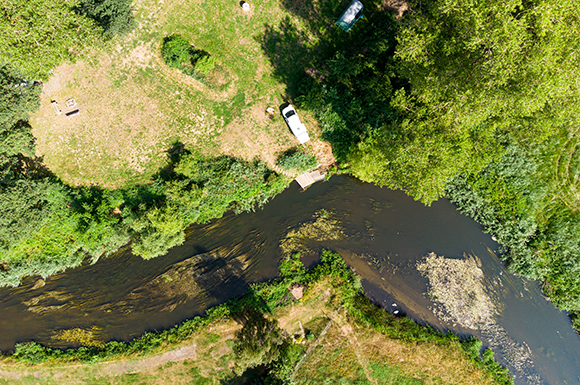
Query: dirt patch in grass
{"points": [[116, 138], [323, 153], [255, 136], [400, 6]]}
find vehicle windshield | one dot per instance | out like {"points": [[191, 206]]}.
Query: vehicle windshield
{"points": [[290, 113]]}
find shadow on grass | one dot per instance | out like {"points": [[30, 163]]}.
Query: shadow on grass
{"points": [[345, 79]]}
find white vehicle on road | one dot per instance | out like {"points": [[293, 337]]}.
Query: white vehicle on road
{"points": [[297, 127]]}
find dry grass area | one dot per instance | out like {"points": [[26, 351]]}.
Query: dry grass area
{"points": [[361, 355], [133, 107]]}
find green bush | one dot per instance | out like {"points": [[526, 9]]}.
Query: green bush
{"points": [[200, 65], [178, 52], [295, 160], [205, 65]]}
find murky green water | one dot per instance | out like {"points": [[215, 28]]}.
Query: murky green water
{"points": [[387, 233]]}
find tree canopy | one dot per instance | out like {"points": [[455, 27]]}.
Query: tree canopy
{"points": [[479, 73], [38, 35]]}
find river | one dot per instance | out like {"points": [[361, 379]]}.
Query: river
{"points": [[386, 234]]}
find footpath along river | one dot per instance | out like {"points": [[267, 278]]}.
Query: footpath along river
{"points": [[386, 234]]}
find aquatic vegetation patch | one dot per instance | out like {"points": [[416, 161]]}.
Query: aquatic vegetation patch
{"points": [[458, 287], [84, 337], [47, 302], [324, 227]]}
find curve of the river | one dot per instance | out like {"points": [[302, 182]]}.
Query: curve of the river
{"points": [[386, 234]]}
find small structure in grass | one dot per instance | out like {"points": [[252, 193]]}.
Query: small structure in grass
{"points": [[245, 6], [73, 113], [350, 16], [70, 103], [56, 108]]}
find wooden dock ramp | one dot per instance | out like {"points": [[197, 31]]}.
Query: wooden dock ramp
{"points": [[308, 178]]}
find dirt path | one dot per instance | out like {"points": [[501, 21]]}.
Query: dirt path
{"points": [[313, 346], [350, 335], [113, 368]]}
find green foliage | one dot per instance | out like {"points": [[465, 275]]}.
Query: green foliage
{"points": [[200, 65], [292, 268], [114, 16], [463, 80], [296, 160], [31, 352], [258, 342], [492, 65], [38, 35], [178, 52], [205, 65], [350, 97], [18, 98], [157, 231], [472, 346]]}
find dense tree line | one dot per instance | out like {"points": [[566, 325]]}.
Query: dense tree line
{"points": [[475, 100], [532, 209]]}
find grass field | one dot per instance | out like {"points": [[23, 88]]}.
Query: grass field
{"points": [[133, 107], [349, 353]]}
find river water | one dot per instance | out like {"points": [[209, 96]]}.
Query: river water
{"points": [[386, 234]]}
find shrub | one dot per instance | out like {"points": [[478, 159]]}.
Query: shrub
{"points": [[177, 52], [205, 65], [297, 161]]}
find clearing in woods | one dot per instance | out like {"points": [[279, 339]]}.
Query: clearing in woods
{"points": [[133, 107]]}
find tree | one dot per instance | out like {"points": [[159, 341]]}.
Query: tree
{"points": [[114, 16], [38, 35], [18, 98], [477, 71], [259, 342]]}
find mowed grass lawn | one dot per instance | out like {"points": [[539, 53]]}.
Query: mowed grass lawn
{"points": [[133, 108]]}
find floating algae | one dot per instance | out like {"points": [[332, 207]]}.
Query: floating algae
{"points": [[84, 337], [325, 227], [458, 288], [457, 285]]}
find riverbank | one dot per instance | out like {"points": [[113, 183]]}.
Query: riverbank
{"points": [[331, 319]]}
